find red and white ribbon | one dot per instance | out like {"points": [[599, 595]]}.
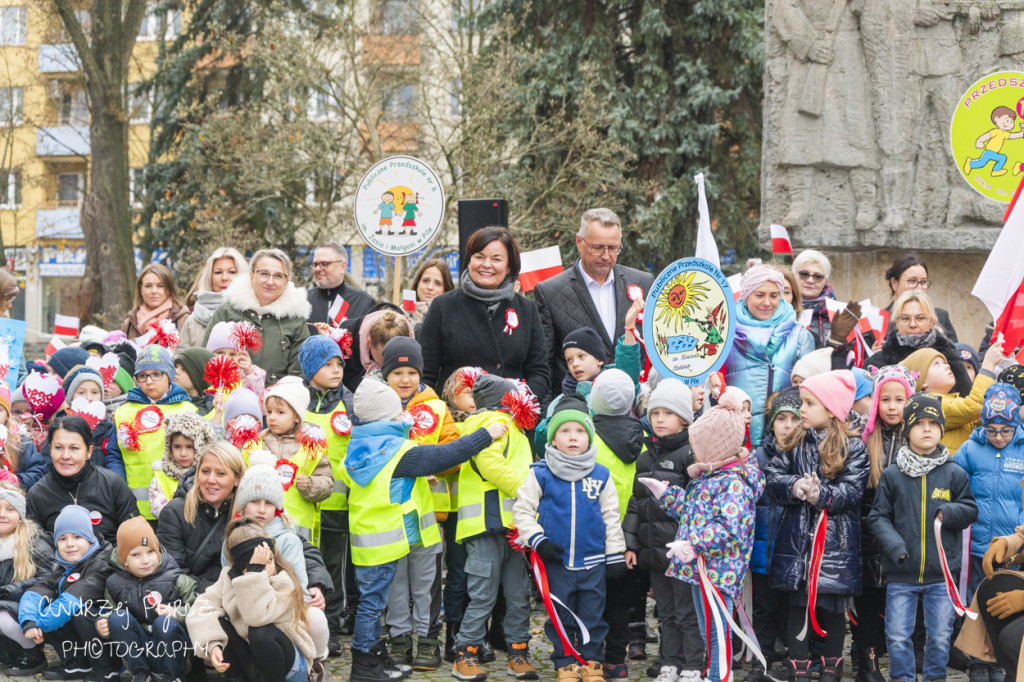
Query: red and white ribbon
{"points": [[954, 594], [511, 321], [817, 553], [744, 607], [540, 574], [716, 611]]}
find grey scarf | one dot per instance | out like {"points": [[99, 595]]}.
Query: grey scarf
{"points": [[915, 465], [567, 467], [491, 297], [926, 340]]}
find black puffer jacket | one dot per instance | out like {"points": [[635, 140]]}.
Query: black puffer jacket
{"points": [[870, 551], [131, 592], [98, 490], [841, 497], [11, 589], [893, 353], [646, 526]]}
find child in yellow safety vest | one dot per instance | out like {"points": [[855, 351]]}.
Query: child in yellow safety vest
{"points": [[185, 435], [391, 510], [418, 575], [300, 447]]}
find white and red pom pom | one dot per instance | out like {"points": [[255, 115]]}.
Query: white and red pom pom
{"points": [[516, 542], [165, 334], [223, 374], [245, 336], [312, 439], [523, 406], [469, 375], [243, 430], [343, 338], [424, 420]]}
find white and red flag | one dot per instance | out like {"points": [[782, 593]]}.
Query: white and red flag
{"points": [[781, 245], [409, 300], [65, 325], [537, 266], [1000, 285]]}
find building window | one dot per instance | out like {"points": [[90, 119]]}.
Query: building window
{"points": [[396, 17], [323, 104], [70, 189], [10, 189], [136, 185], [69, 101], [12, 25], [140, 109], [12, 101], [84, 19], [166, 24], [400, 103]]}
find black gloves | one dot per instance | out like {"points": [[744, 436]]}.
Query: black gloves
{"points": [[549, 552]]}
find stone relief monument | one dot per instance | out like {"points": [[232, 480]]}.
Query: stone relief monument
{"points": [[859, 95]]}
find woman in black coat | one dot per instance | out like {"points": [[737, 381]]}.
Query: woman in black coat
{"points": [[485, 323], [915, 325]]}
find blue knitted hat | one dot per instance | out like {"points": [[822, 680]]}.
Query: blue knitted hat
{"points": [[63, 360], [154, 357], [76, 520], [1001, 406], [863, 383], [315, 352]]}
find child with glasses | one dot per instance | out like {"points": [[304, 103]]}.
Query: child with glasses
{"points": [[993, 458]]}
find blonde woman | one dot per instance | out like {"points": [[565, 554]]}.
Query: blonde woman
{"points": [[207, 293]]}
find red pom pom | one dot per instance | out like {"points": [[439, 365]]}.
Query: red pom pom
{"points": [[166, 334], [223, 374], [469, 375], [246, 336], [313, 439], [343, 338], [523, 407], [243, 430], [516, 542]]}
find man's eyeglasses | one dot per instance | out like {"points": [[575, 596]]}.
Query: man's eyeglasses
{"points": [[815, 276], [323, 264], [610, 250]]}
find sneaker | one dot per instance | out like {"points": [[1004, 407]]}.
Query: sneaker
{"points": [[689, 676], [756, 672], [428, 654], [569, 673], [616, 671], [486, 653], [668, 673], [367, 667], [389, 663], [592, 672], [519, 665], [142, 676], [28, 663], [400, 649], [978, 672], [68, 670], [467, 666], [333, 645], [654, 669]]}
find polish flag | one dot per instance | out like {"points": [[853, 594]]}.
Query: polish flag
{"points": [[780, 240], [1000, 285], [706, 246], [873, 319], [338, 312], [409, 300], [55, 345], [65, 325], [539, 265]]}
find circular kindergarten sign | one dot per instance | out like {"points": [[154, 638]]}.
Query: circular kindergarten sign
{"points": [[399, 205], [987, 135], [689, 320]]}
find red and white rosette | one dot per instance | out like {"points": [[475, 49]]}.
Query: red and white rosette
{"points": [[716, 612], [954, 593], [817, 553], [424, 421], [511, 321], [287, 472], [341, 423]]}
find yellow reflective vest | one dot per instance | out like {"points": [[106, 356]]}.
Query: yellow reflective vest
{"points": [[338, 426], [148, 428], [473, 489], [440, 488], [377, 525], [304, 513], [622, 473]]}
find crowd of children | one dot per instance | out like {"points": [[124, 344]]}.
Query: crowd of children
{"points": [[391, 513]]}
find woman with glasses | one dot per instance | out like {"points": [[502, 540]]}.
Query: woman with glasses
{"points": [[812, 269], [222, 267], [156, 298], [268, 299], [908, 272], [914, 325]]}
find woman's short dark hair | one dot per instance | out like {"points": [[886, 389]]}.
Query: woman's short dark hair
{"points": [[479, 240], [74, 425], [901, 265], [446, 274]]}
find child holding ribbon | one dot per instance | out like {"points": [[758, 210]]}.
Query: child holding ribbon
{"points": [[716, 524], [817, 474], [924, 497]]}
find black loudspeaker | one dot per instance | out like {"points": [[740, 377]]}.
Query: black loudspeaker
{"points": [[475, 214]]}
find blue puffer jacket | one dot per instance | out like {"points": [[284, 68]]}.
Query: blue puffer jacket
{"points": [[766, 519], [996, 481], [841, 566], [763, 356]]}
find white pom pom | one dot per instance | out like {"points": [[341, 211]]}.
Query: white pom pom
{"points": [[261, 457]]}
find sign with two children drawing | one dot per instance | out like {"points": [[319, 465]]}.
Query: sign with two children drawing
{"points": [[399, 205]]}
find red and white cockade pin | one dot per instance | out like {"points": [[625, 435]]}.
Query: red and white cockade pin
{"points": [[511, 321], [340, 423]]}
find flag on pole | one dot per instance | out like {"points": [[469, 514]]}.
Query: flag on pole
{"points": [[338, 312], [65, 325], [539, 265], [780, 240], [409, 300], [1000, 285], [55, 345], [706, 246]]}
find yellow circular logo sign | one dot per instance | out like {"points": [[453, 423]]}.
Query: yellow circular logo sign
{"points": [[987, 136]]}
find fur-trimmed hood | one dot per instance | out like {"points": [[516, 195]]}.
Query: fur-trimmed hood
{"points": [[292, 303]]}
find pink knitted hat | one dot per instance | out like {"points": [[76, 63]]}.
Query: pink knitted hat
{"points": [[757, 276], [835, 390], [717, 436], [884, 375]]}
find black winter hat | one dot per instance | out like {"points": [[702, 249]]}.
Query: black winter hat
{"points": [[488, 390], [588, 341], [1013, 375], [401, 351], [921, 406]]}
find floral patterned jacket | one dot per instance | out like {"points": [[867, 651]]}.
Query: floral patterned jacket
{"points": [[716, 516]]}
